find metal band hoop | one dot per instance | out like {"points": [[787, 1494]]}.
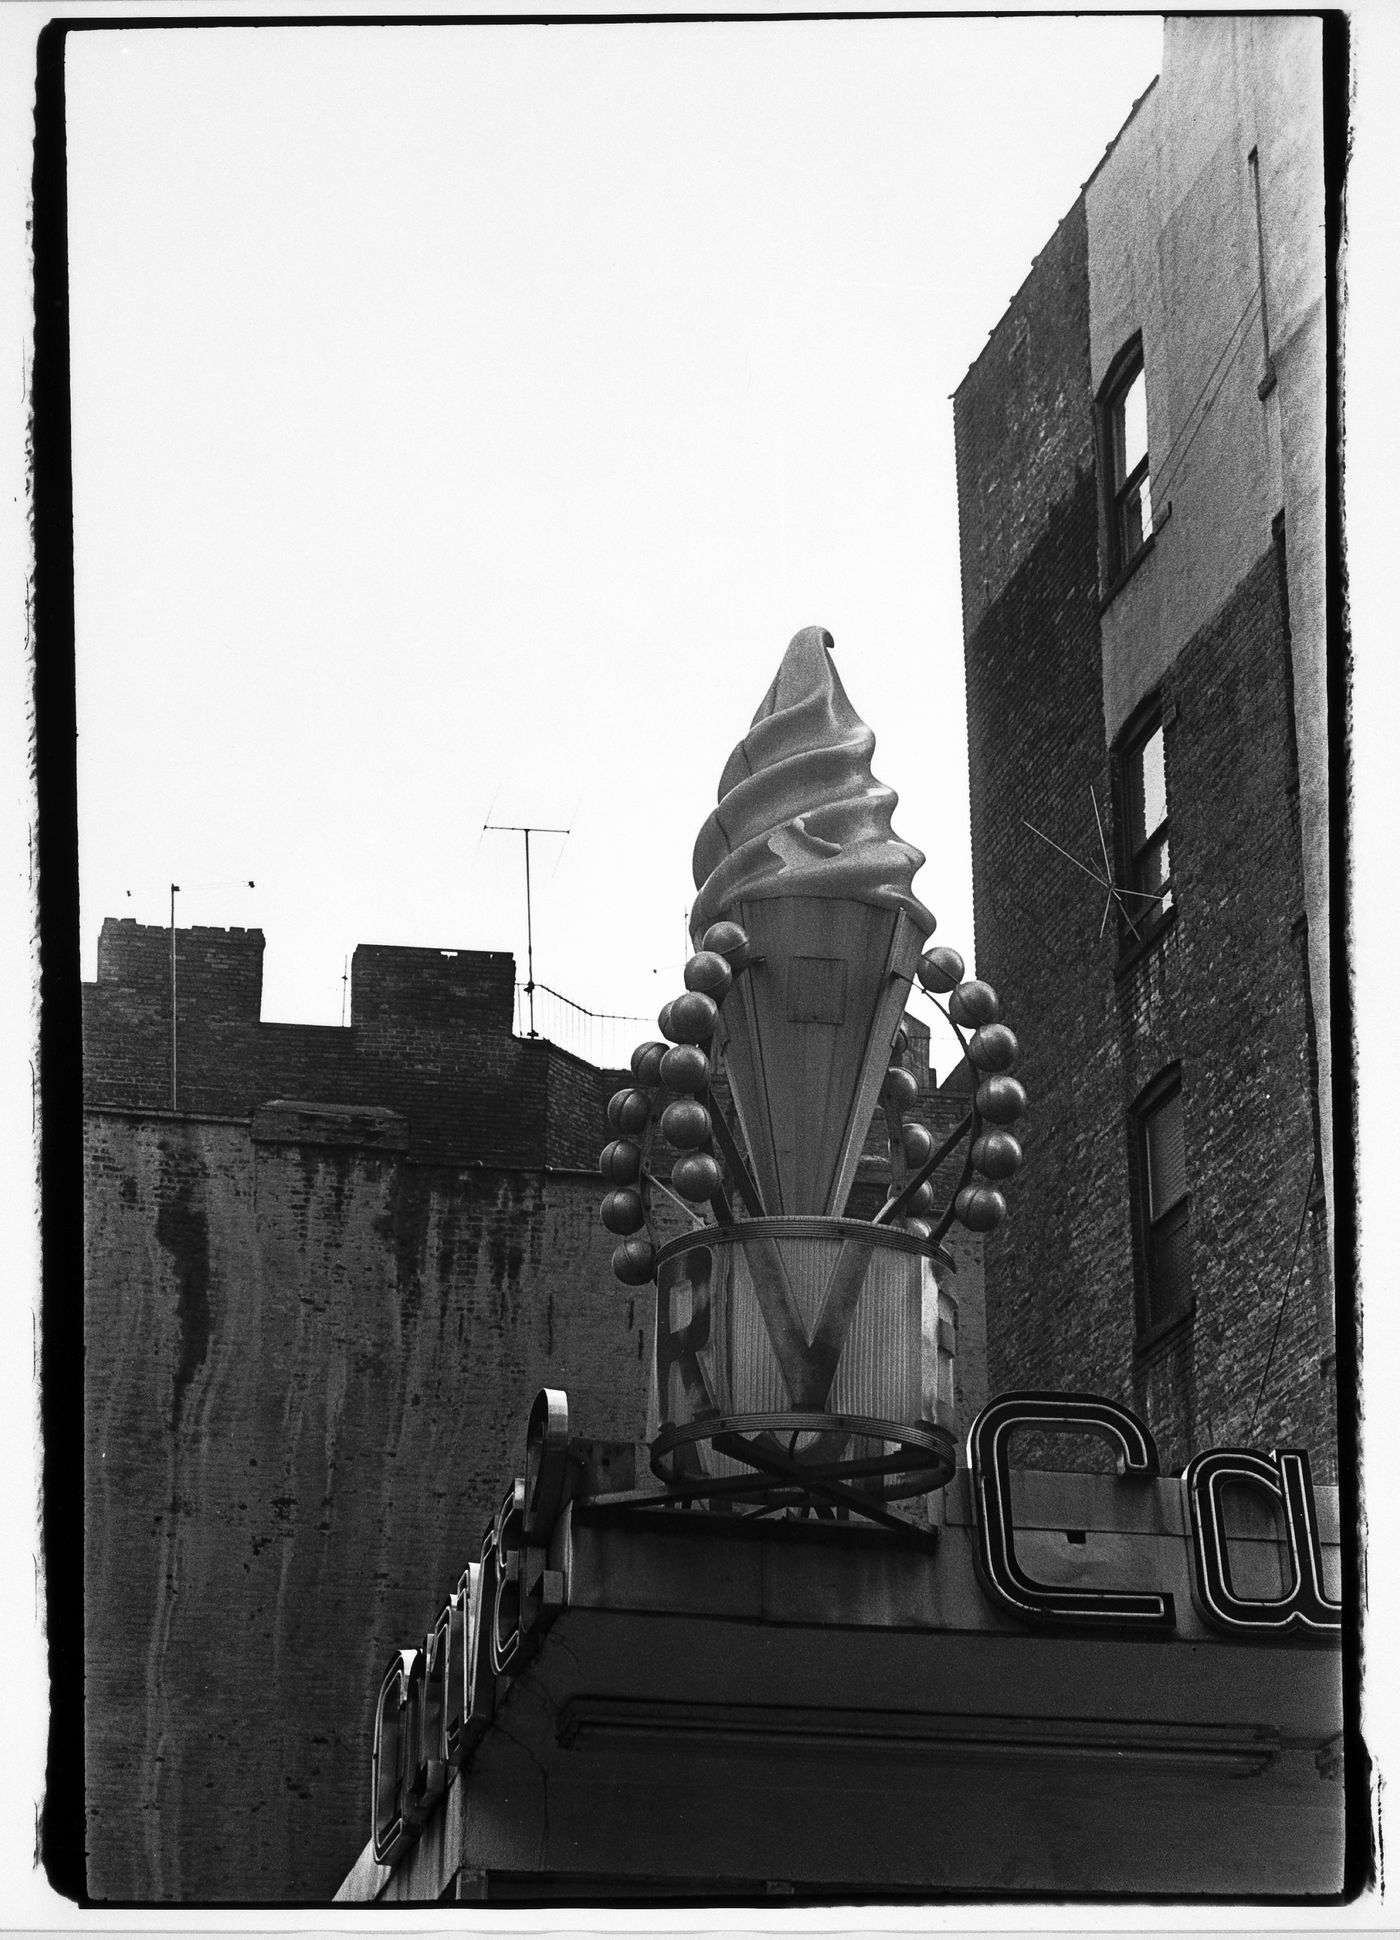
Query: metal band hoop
{"points": [[923, 1460]]}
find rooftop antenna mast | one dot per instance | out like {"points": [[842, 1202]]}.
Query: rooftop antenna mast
{"points": [[174, 1028], [536, 828]]}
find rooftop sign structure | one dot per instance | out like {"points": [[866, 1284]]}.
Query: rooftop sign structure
{"points": [[802, 1356], [994, 1655], [1084, 1682]]}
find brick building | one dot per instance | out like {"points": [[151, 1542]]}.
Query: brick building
{"points": [[1140, 453], [320, 1295]]}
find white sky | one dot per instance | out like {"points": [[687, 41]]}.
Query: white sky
{"points": [[464, 420]]}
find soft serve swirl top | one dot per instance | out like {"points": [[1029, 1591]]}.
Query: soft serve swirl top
{"points": [[800, 813]]}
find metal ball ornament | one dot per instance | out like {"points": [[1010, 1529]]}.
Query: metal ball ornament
{"points": [[629, 1110], [685, 1068], [974, 1003], [646, 1063], [918, 1229], [997, 1155], [918, 1144], [1001, 1100], [980, 1208], [920, 1200], [727, 940], [900, 1047], [696, 1176], [621, 1162], [901, 1088], [663, 1022], [940, 970], [707, 971], [634, 1262], [685, 1124], [993, 1048], [622, 1211], [693, 1017]]}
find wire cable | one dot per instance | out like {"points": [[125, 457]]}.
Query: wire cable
{"points": [[1175, 454], [609, 1016]]}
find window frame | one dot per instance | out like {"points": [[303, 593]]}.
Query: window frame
{"points": [[1121, 486], [1140, 920], [1155, 1228]]}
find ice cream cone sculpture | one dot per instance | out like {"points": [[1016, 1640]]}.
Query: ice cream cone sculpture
{"points": [[799, 852], [793, 1341]]}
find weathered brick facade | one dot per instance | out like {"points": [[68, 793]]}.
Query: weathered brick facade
{"points": [[1221, 992], [1226, 993], [320, 1298], [313, 1332], [430, 1037], [1036, 749]]}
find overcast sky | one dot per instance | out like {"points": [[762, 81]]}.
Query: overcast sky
{"points": [[466, 417]]}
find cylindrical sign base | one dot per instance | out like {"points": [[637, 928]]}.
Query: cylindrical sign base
{"points": [[803, 1351]]}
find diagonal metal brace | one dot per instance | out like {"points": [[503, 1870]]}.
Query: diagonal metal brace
{"points": [[781, 1466]]}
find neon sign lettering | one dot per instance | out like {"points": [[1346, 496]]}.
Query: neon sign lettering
{"points": [[1002, 1577], [1284, 1478]]}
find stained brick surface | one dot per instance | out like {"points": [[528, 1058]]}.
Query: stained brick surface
{"points": [[313, 1332], [308, 1372]]}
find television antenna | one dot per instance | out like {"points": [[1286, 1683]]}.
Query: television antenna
{"points": [[1115, 892], [519, 828]]}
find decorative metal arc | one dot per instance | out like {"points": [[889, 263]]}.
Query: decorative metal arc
{"points": [[923, 1459]]}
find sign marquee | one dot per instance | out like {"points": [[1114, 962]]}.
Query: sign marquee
{"points": [[1285, 1479], [437, 1701], [1002, 1577]]}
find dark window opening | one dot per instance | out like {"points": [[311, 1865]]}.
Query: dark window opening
{"points": [[1129, 476], [1145, 887], [1163, 1204]]}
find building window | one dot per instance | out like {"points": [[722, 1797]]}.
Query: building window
{"points": [[1163, 1222], [1129, 476], [1146, 889]]}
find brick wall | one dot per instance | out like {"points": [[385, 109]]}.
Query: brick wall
{"points": [[430, 1037], [220, 970], [1024, 394], [1223, 992], [1227, 998], [308, 1372], [1036, 750], [391, 987], [320, 1300]]}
